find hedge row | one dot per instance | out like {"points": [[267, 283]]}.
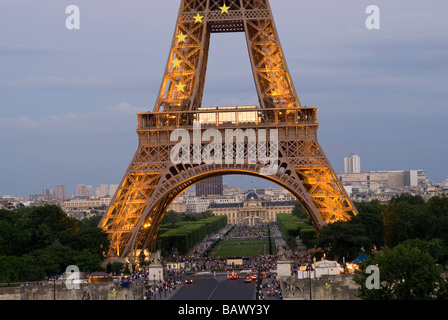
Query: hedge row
{"points": [[291, 227], [186, 234], [307, 235]]}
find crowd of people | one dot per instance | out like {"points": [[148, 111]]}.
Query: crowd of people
{"points": [[160, 290], [246, 231], [177, 267], [206, 243], [270, 290], [157, 287]]}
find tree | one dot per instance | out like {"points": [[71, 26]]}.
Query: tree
{"points": [[434, 247], [371, 219], [87, 261], [343, 239], [406, 273], [408, 198], [399, 221], [206, 214], [49, 240], [437, 210], [53, 259], [11, 269], [299, 211], [170, 218], [126, 269], [115, 267], [93, 239]]}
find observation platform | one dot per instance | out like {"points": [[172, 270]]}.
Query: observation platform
{"points": [[229, 117]]}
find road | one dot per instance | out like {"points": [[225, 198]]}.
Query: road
{"points": [[209, 287]]}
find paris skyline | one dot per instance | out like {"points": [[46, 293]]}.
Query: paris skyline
{"points": [[70, 97]]}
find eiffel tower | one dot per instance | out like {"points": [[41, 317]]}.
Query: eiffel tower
{"points": [[283, 126]]}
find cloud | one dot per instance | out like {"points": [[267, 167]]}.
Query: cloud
{"points": [[35, 49], [124, 108], [90, 83], [110, 119]]}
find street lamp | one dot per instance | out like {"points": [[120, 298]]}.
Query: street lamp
{"points": [[154, 288], [309, 268], [54, 288], [160, 283]]}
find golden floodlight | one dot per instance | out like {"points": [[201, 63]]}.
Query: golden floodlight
{"points": [[224, 9], [181, 37], [176, 63], [198, 18], [180, 86]]}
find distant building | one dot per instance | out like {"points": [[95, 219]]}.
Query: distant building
{"points": [[234, 191], [252, 210], [84, 191], [112, 189], [380, 180], [59, 192], [84, 204], [210, 187], [352, 164]]}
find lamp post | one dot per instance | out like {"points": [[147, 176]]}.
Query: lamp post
{"points": [[309, 268], [154, 288], [54, 288], [160, 283]]}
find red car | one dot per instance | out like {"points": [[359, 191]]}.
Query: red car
{"points": [[234, 276]]}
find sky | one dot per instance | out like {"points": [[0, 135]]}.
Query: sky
{"points": [[69, 98]]}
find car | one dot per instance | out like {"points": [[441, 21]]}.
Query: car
{"points": [[248, 279], [188, 281], [234, 276], [246, 271], [274, 270], [77, 281], [254, 276]]}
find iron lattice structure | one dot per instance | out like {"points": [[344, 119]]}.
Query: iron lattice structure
{"points": [[153, 181]]}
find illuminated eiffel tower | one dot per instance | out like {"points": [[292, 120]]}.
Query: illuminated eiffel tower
{"points": [[283, 127]]}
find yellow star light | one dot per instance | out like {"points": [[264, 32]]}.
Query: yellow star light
{"points": [[176, 63], [224, 8], [198, 18], [181, 37], [180, 86]]}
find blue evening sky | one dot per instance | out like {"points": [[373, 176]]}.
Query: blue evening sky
{"points": [[68, 98]]}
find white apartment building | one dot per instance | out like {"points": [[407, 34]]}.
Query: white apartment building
{"points": [[83, 204], [352, 164], [375, 180]]}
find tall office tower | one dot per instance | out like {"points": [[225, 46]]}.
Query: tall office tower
{"points": [[84, 191], [352, 164], [103, 190], [210, 187], [89, 190], [46, 194], [112, 189], [59, 192]]}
